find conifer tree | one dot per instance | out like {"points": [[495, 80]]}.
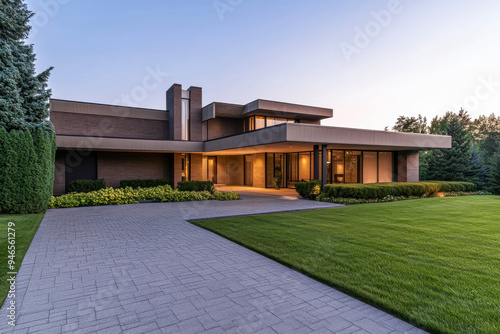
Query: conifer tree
{"points": [[494, 177]]}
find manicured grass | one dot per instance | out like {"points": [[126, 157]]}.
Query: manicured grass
{"points": [[26, 226], [433, 262]]}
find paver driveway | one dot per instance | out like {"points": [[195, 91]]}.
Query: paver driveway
{"points": [[143, 269]]}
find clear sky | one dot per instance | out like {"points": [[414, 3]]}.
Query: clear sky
{"points": [[368, 60]]}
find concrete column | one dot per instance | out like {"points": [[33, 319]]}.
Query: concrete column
{"points": [[259, 170], [324, 158], [316, 162], [195, 122]]}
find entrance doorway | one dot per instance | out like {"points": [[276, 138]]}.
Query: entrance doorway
{"points": [[248, 170], [212, 169]]}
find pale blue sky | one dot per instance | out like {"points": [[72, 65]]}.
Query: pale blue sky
{"points": [[424, 57]]}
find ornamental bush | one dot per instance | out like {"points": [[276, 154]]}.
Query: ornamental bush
{"points": [[406, 189], [147, 183], [309, 189], [196, 186], [128, 195], [86, 186]]}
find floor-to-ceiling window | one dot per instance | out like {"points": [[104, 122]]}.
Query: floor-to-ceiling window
{"points": [[343, 166], [385, 166], [352, 167], [212, 169], [186, 167], [338, 166], [305, 166], [370, 167]]}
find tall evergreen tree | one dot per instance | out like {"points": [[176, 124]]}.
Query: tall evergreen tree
{"points": [[494, 177], [452, 164], [24, 97]]}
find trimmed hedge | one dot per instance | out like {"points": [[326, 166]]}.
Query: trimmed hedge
{"points": [[86, 186], [381, 190], [455, 186], [148, 183], [26, 170], [309, 189], [196, 186], [110, 196]]}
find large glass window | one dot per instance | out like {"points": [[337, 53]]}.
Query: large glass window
{"points": [[329, 167], [260, 122], [369, 167], [305, 166], [185, 120], [293, 168], [338, 166], [352, 166], [384, 166], [186, 167]]}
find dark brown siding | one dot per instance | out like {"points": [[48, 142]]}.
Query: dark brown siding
{"points": [[223, 127], [116, 166], [108, 126]]}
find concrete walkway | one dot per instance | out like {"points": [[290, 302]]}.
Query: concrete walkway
{"points": [[143, 269]]}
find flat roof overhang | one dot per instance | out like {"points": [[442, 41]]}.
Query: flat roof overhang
{"points": [[127, 145], [301, 137], [285, 138], [265, 108]]}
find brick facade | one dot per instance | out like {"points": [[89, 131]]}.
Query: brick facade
{"points": [[108, 126], [116, 166]]}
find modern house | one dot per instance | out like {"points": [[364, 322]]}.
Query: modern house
{"points": [[244, 145]]}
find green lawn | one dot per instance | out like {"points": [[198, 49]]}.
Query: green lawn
{"points": [[26, 226], [433, 262]]}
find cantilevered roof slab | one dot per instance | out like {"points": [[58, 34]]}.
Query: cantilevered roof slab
{"points": [[292, 137]]}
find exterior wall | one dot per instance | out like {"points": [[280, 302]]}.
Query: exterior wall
{"points": [[66, 123], [413, 167], [195, 122], [59, 174], [259, 171], [196, 167], [116, 166], [174, 107], [408, 166], [223, 127], [230, 170]]}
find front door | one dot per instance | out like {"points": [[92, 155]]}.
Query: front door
{"points": [[212, 169]]}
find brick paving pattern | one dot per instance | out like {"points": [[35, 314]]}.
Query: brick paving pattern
{"points": [[144, 269]]}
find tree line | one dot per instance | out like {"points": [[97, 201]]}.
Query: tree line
{"points": [[475, 152]]}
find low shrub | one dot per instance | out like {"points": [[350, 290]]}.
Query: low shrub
{"points": [[196, 186], [225, 196], [309, 189], [149, 183], [380, 190], [128, 195], [455, 186], [85, 186]]}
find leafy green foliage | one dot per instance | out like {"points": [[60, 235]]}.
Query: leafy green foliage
{"points": [[128, 195], [309, 189], [147, 183], [85, 186], [196, 186], [395, 189], [26, 170], [411, 124]]}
